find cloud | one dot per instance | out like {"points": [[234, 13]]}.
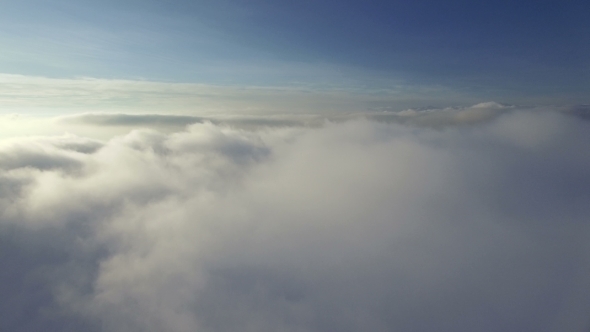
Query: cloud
{"points": [[443, 117], [60, 96], [581, 111], [132, 119], [161, 121], [427, 117], [353, 225]]}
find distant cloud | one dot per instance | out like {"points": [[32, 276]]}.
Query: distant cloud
{"points": [[132, 120], [580, 111], [440, 117], [163, 121], [355, 225], [426, 117], [59, 96]]}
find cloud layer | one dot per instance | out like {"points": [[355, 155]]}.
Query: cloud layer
{"points": [[59, 96], [354, 225]]}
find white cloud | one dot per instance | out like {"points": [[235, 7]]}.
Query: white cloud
{"points": [[352, 226]]}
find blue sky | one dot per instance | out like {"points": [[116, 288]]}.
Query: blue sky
{"points": [[507, 51]]}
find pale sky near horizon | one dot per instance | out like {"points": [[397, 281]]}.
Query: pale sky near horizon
{"points": [[382, 54]]}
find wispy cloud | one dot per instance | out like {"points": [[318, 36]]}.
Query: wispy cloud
{"points": [[58, 96]]}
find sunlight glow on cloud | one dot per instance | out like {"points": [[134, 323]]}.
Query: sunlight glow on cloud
{"points": [[353, 225]]}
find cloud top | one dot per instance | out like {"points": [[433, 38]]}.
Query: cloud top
{"points": [[425, 117], [353, 225]]}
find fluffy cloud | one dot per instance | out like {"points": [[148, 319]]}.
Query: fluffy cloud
{"points": [[353, 225]]}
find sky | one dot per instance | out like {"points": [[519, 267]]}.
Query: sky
{"points": [[403, 53], [294, 166]]}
